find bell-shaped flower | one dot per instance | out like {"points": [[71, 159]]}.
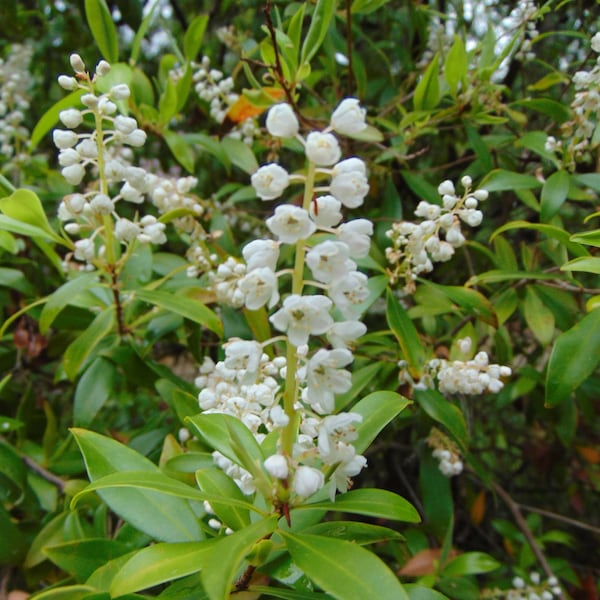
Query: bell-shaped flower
{"points": [[269, 181], [243, 356], [335, 431], [325, 211], [325, 378], [348, 118], [282, 121], [329, 260], [290, 224], [259, 287], [261, 253], [323, 149], [357, 235], [307, 481], [342, 334], [301, 316], [341, 478], [277, 466], [349, 292], [349, 186]]}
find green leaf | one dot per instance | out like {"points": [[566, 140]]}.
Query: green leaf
{"points": [[103, 29], [50, 118], [79, 350], [221, 566], [15, 279], [456, 65], [68, 592], [186, 307], [470, 563], [93, 390], [181, 149], [192, 40], [443, 411], [501, 180], [321, 17], [20, 228], [214, 481], [588, 264], [343, 569], [82, 557], [554, 194], [240, 154], [141, 32], [427, 92], [160, 516], [361, 378], [538, 316], [354, 531], [168, 102], [376, 503], [25, 206], [418, 592], [230, 437], [589, 238], [436, 494], [377, 410], [574, 358], [557, 111], [286, 594], [365, 7], [407, 335], [421, 187], [52, 533], [160, 563]]}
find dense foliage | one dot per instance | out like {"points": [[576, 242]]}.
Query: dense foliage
{"points": [[299, 299]]}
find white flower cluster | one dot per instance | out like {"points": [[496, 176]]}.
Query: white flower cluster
{"points": [[525, 14], [446, 451], [247, 383], [534, 589], [578, 132], [213, 87], [416, 246], [14, 99], [472, 377]]}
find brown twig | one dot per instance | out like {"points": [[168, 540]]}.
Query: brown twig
{"points": [[47, 475], [515, 509], [561, 518]]}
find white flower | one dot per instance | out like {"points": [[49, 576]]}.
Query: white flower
{"points": [[335, 430], [120, 91], [125, 125], [342, 334], [68, 157], [102, 68], [348, 185], [329, 260], [126, 230], [101, 204], [341, 476], [259, 287], [357, 235], [281, 121], [307, 481], [349, 292], [67, 83], [596, 42], [269, 181], [348, 118], [322, 149], [77, 63], [71, 117], [261, 253], [84, 250], [277, 466], [73, 174], [136, 138], [301, 316], [446, 188], [325, 378], [290, 224], [64, 139], [243, 356], [325, 211]]}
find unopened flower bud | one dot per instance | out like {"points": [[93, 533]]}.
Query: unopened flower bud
{"points": [[307, 481], [120, 91], [281, 121], [67, 83], [64, 139], [102, 68], [70, 118], [277, 466], [77, 63], [348, 118]]}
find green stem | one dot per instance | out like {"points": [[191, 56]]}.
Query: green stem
{"points": [[290, 394]]}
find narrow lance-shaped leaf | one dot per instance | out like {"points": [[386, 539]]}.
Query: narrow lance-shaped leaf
{"points": [[427, 92], [103, 29], [319, 24], [554, 194]]}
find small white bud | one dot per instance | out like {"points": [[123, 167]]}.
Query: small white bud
{"points": [[77, 63], [120, 91], [67, 83], [102, 68], [277, 466], [70, 118]]}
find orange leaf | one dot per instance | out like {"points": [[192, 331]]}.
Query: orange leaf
{"points": [[424, 562], [478, 509], [243, 109], [592, 455]]}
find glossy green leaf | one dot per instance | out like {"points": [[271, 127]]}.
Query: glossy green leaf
{"points": [[381, 504], [82, 557], [427, 92], [51, 534], [181, 149], [554, 194], [557, 111], [587, 264], [214, 481], [443, 411], [20, 228], [321, 18], [240, 154], [192, 40], [103, 29], [470, 563], [377, 410], [69, 592], [361, 378], [436, 495], [142, 30], [50, 118], [406, 334], [221, 566], [160, 563], [168, 102], [354, 531], [418, 592], [343, 569], [421, 187], [79, 350], [25, 206], [161, 516], [93, 390], [574, 358], [456, 65], [16, 280], [182, 305], [501, 180], [538, 316], [287, 594], [589, 238]]}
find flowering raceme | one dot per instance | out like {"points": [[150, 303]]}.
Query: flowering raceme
{"points": [[313, 441]]}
